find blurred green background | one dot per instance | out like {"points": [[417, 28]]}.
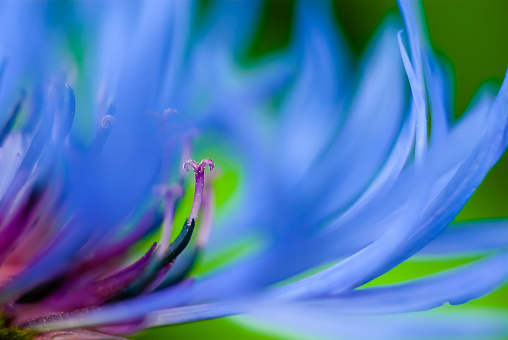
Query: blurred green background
{"points": [[473, 36]]}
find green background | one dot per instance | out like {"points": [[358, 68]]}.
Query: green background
{"points": [[472, 36]]}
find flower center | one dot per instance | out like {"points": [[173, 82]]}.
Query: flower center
{"points": [[14, 333], [199, 170]]}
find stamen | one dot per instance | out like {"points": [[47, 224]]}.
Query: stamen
{"points": [[107, 121], [171, 195], [168, 112], [187, 260], [151, 220], [193, 164], [206, 223], [162, 118], [104, 129], [142, 283], [199, 170], [12, 229]]}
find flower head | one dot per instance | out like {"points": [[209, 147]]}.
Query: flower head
{"points": [[345, 179]]}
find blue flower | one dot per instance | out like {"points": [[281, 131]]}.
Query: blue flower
{"points": [[343, 178]]}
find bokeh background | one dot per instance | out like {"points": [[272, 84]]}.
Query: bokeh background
{"points": [[472, 35]]}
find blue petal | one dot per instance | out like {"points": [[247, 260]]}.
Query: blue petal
{"points": [[418, 92], [407, 235], [411, 13], [232, 23], [386, 177], [300, 320], [439, 97], [454, 286], [18, 45], [368, 133], [190, 314], [469, 238], [313, 110], [426, 63]]}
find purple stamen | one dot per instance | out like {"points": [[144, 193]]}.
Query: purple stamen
{"points": [[75, 294], [112, 250], [206, 223], [162, 118], [172, 195], [12, 229], [168, 112], [105, 124], [106, 121], [199, 170]]}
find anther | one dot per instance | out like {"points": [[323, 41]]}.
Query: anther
{"points": [[168, 112], [107, 121], [162, 118], [198, 167]]}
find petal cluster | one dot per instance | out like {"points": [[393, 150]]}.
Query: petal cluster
{"points": [[350, 175]]}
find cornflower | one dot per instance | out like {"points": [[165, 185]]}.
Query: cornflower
{"points": [[345, 180]]}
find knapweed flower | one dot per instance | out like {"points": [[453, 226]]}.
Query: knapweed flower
{"points": [[344, 179]]}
